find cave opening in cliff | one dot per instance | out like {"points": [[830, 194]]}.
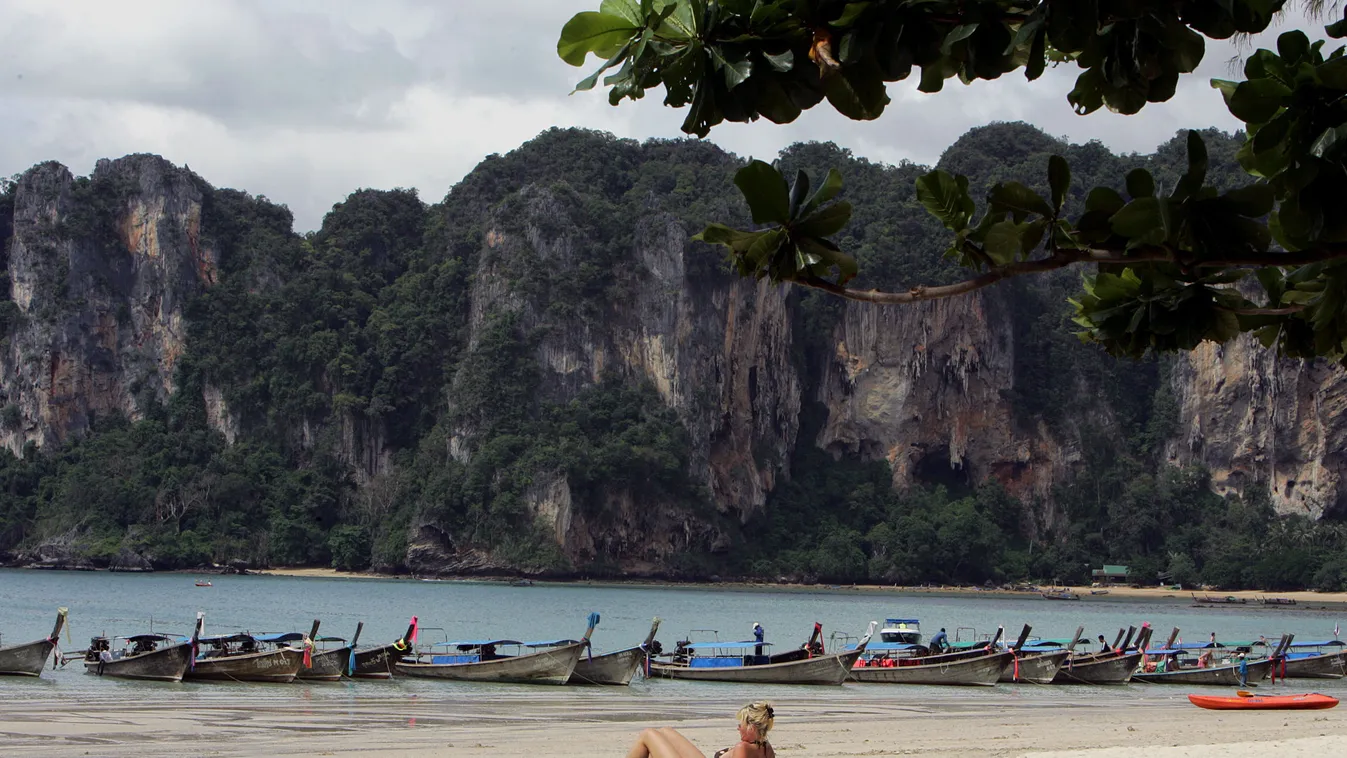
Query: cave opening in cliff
{"points": [[934, 468]]}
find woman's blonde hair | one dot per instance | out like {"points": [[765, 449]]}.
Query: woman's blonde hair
{"points": [[758, 715]]}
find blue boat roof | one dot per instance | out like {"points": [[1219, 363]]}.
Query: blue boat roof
{"points": [[1042, 648], [155, 637], [726, 645], [550, 643], [1325, 643], [468, 644], [901, 621]]}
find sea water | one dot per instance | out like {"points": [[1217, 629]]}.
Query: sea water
{"points": [[118, 604]]}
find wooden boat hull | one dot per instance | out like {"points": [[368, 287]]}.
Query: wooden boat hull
{"points": [[610, 668], [984, 671], [823, 670], [167, 664], [326, 666], [281, 666], [1326, 666], [1037, 668], [375, 662], [27, 659], [1093, 669], [551, 666], [1224, 676], [1307, 702]]}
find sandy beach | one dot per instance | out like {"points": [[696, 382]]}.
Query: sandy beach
{"points": [[812, 724]]}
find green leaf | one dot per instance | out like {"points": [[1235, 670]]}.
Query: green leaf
{"points": [[627, 9], [1018, 199], [1253, 201], [1258, 100], [849, 15], [1059, 179], [1004, 242], [799, 190], [826, 222], [857, 92], [765, 190], [946, 198], [782, 63], [589, 32], [1140, 219], [957, 35], [832, 185], [735, 239], [1140, 183], [1104, 199]]}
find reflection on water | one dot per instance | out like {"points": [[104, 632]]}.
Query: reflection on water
{"points": [[103, 603]]}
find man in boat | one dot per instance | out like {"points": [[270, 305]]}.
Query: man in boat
{"points": [[940, 642], [758, 635], [1104, 647]]}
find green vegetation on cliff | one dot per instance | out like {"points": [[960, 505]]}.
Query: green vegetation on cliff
{"points": [[342, 401]]}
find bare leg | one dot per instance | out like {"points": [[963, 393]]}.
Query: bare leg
{"points": [[663, 743]]}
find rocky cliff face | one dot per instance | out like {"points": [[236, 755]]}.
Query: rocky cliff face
{"points": [[925, 387], [716, 349], [1258, 421], [100, 270]]}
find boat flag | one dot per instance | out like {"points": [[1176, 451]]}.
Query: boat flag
{"points": [[412, 636], [1335, 630]]}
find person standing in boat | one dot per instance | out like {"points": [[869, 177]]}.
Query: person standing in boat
{"points": [[758, 635], [1104, 647], [940, 642], [1243, 670]]}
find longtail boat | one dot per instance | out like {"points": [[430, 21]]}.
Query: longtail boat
{"points": [[479, 661], [1037, 663], [616, 668], [1113, 666], [155, 657], [331, 663], [377, 662], [249, 658], [1325, 659], [1167, 665], [747, 662], [969, 668], [30, 658], [1247, 701]]}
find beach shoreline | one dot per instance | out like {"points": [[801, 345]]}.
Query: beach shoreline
{"points": [[530, 723]]}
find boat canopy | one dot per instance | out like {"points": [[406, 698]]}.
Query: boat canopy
{"points": [[1325, 643], [223, 638], [727, 645], [474, 644], [279, 637], [1041, 648], [330, 639], [900, 622], [886, 646], [550, 643], [151, 637]]}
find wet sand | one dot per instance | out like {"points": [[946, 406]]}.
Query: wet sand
{"points": [[531, 724]]}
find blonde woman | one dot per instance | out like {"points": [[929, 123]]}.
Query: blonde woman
{"points": [[755, 721]]}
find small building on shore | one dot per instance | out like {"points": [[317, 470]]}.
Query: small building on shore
{"points": [[1112, 575]]}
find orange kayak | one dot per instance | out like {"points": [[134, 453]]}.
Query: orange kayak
{"points": [[1307, 702]]}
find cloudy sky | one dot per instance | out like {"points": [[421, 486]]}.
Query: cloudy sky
{"points": [[306, 100]]}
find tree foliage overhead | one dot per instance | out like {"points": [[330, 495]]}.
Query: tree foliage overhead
{"points": [[1167, 257]]}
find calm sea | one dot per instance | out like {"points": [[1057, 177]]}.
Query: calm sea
{"points": [[110, 604]]}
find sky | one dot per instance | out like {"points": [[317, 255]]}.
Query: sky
{"points": [[305, 101]]}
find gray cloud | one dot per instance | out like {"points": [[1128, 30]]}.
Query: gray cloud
{"points": [[307, 100]]}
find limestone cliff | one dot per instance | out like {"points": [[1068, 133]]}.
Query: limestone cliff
{"points": [[925, 387], [1258, 421], [717, 350], [100, 271]]}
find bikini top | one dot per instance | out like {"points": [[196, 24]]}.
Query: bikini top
{"points": [[723, 751]]}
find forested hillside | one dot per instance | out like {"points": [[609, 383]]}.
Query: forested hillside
{"points": [[542, 374]]}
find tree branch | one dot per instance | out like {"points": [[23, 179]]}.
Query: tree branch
{"points": [[1064, 258]]}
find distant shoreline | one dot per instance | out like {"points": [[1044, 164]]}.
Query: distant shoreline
{"points": [[1252, 598]]}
